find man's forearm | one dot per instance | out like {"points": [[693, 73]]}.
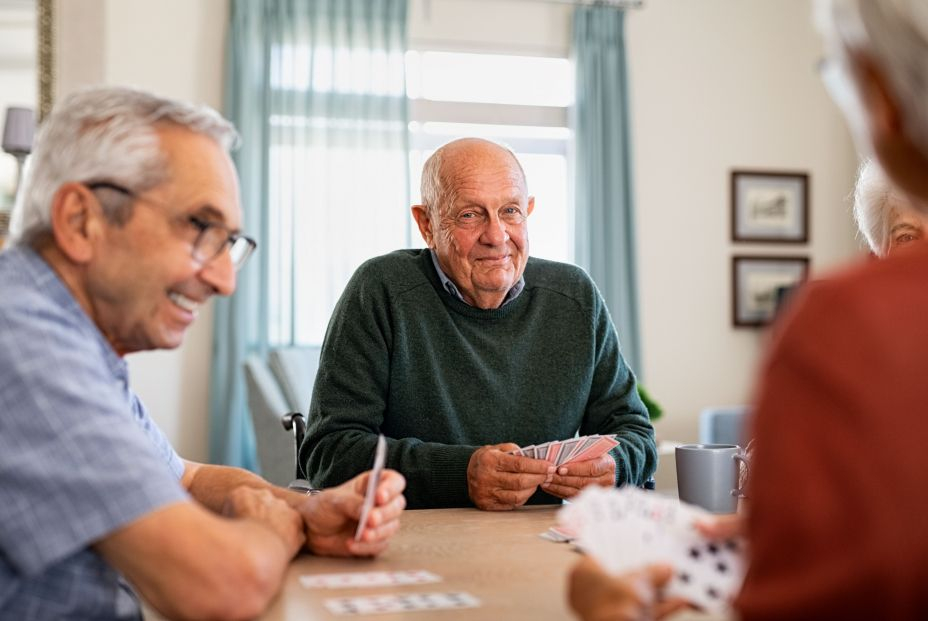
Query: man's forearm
{"points": [[211, 485]]}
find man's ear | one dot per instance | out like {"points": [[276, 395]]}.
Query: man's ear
{"points": [[421, 214], [531, 205], [75, 221]]}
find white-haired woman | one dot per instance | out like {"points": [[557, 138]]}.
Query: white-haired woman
{"points": [[884, 215]]}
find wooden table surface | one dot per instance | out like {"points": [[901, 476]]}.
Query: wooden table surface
{"points": [[496, 556]]}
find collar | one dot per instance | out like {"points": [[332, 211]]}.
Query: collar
{"points": [[451, 288]]}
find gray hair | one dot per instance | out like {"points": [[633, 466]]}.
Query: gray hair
{"points": [[894, 34], [871, 206], [105, 134], [436, 193]]}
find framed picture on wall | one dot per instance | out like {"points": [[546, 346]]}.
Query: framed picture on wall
{"points": [[769, 206], [760, 286]]}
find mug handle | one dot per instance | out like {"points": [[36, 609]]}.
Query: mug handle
{"points": [[745, 461]]}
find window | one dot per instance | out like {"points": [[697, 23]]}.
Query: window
{"points": [[517, 100]]}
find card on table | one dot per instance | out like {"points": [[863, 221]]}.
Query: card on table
{"points": [[360, 579], [373, 604], [626, 529], [380, 456]]}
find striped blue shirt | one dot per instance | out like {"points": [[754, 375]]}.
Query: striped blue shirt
{"points": [[79, 455]]}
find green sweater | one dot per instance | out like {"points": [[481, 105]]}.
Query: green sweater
{"points": [[440, 378]]}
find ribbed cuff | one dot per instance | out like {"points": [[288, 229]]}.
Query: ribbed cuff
{"points": [[449, 476]]}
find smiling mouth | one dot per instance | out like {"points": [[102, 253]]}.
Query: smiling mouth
{"points": [[191, 306]]}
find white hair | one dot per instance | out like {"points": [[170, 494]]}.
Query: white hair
{"points": [[105, 134], [872, 206], [894, 35]]}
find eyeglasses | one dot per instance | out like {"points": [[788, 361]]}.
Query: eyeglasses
{"points": [[476, 218], [212, 238]]}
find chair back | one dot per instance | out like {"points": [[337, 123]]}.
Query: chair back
{"points": [[266, 403], [295, 369], [723, 425]]}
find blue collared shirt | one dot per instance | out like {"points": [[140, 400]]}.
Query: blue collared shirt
{"points": [[79, 455], [451, 288]]}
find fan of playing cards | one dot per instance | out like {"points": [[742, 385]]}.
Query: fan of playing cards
{"points": [[562, 452], [628, 528]]}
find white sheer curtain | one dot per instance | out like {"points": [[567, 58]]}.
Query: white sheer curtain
{"points": [[317, 90]]}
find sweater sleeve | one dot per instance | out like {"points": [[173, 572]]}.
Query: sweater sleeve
{"points": [[350, 401], [614, 406]]}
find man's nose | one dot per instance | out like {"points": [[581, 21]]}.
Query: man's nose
{"points": [[495, 231], [219, 273]]}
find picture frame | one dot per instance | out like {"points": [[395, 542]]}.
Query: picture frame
{"points": [[769, 207], [760, 285]]}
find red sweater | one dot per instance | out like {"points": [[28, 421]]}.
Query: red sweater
{"points": [[839, 484]]}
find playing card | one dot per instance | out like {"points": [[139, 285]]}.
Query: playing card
{"points": [[567, 447], [358, 579], [411, 602], [592, 450], [707, 573], [558, 534], [380, 455], [626, 529], [554, 449]]}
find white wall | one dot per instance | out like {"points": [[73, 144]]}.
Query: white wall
{"points": [[715, 84], [174, 48]]}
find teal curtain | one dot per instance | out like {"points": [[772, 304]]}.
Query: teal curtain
{"points": [[316, 89], [604, 241]]}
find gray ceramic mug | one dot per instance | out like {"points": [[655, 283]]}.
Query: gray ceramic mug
{"points": [[708, 475]]}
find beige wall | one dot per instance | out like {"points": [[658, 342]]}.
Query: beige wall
{"points": [[715, 84]]}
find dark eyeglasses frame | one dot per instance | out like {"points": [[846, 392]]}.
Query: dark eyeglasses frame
{"points": [[240, 246]]}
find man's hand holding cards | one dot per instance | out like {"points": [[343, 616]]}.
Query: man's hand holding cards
{"points": [[501, 477], [358, 517], [579, 462]]}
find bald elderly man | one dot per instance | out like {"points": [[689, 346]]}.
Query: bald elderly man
{"points": [[466, 349]]}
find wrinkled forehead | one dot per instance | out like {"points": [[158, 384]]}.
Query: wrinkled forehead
{"points": [[485, 172], [202, 175], [901, 212]]}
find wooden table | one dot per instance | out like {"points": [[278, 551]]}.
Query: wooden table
{"points": [[496, 556]]}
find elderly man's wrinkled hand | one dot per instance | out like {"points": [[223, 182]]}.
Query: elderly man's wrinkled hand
{"points": [[262, 506], [571, 478], [498, 481], [331, 518], [597, 596]]}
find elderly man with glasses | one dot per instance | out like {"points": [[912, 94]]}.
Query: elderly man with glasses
{"points": [[465, 350], [129, 222]]}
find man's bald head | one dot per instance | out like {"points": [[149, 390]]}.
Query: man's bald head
{"points": [[443, 170]]}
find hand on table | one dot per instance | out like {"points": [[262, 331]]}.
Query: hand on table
{"points": [[498, 481], [571, 478], [262, 506], [331, 517], [597, 596]]}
